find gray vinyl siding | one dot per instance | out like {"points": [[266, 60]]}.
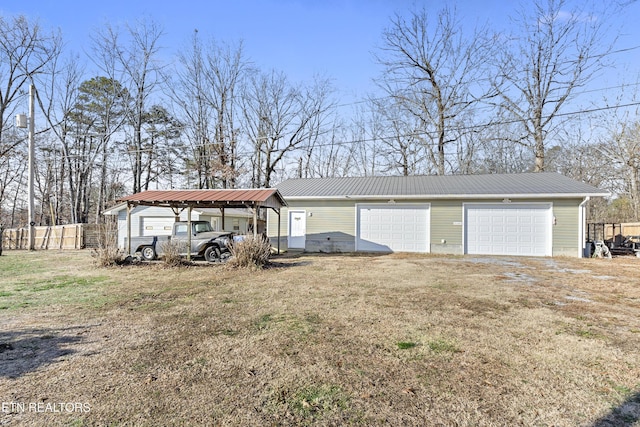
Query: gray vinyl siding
{"points": [[446, 226], [566, 241], [330, 225]]}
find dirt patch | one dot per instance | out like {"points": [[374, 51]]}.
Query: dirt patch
{"points": [[322, 340]]}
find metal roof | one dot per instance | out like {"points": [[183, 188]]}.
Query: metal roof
{"points": [[235, 198], [532, 185]]}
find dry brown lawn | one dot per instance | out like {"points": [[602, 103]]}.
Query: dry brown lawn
{"points": [[321, 340]]}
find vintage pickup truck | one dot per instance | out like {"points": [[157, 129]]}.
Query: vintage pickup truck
{"points": [[205, 243]]}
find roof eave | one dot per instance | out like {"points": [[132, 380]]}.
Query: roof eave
{"points": [[454, 196]]}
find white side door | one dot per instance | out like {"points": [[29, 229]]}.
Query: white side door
{"points": [[297, 229]]}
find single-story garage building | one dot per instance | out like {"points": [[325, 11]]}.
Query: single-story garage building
{"points": [[531, 214]]}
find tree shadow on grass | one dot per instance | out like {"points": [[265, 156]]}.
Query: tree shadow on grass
{"points": [[26, 350], [626, 414]]}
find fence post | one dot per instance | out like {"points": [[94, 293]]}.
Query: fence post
{"points": [[1, 237]]}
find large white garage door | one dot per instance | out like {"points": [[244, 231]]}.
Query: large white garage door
{"points": [[508, 229], [397, 228], [155, 226]]}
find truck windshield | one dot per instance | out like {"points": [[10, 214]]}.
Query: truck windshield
{"points": [[203, 227]]}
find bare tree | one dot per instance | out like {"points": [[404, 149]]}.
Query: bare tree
{"points": [[558, 52], [496, 154], [432, 71], [330, 154], [400, 139], [96, 116], [225, 72], [25, 51], [57, 96], [188, 90], [13, 170], [134, 62], [281, 118], [622, 153], [205, 91], [364, 133]]}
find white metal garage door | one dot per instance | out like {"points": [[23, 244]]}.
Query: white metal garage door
{"points": [[508, 229], [397, 228], [155, 226]]}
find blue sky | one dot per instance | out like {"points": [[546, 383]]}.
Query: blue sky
{"points": [[334, 38]]}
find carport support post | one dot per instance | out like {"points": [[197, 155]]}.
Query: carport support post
{"points": [[189, 233], [278, 211], [255, 221], [128, 229]]}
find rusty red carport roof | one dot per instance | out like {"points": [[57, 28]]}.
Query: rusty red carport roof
{"points": [[265, 197]]}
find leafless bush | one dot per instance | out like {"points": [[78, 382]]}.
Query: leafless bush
{"points": [[251, 252], [107, 253], [171, 253]]}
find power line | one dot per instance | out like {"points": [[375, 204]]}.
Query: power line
{"points": [[392, 136], [363, 140]]}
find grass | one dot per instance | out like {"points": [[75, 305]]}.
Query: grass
{"points": [[37, 290], [442, 346], [322, 340], [405, 345], [314, 401]]}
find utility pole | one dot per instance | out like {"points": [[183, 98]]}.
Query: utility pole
{"points": [[32, 127], [21, 122]]}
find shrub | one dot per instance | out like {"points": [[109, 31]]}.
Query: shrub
{"points": [[171, 253], [251, 252], [107, 253]]}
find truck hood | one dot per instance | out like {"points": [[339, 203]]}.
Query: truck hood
{"points": [[212, 234]]}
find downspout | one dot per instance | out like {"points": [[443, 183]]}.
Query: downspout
{"points": [[581, 234]]}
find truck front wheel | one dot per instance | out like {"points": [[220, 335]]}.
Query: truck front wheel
{"points": [[148, 253], [212, 254]]}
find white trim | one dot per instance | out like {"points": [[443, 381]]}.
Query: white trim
{"points": [[426, 206], [581, 234], [549, 205]]}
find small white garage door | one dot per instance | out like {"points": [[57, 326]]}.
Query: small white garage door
{"points": [[155, 226], [396, 228], [508, 229]]}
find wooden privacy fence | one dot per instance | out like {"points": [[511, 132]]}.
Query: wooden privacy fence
{"points": [[69, 236], [624, 229]]}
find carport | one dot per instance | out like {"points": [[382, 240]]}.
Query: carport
{"points": [[178, 200]]}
